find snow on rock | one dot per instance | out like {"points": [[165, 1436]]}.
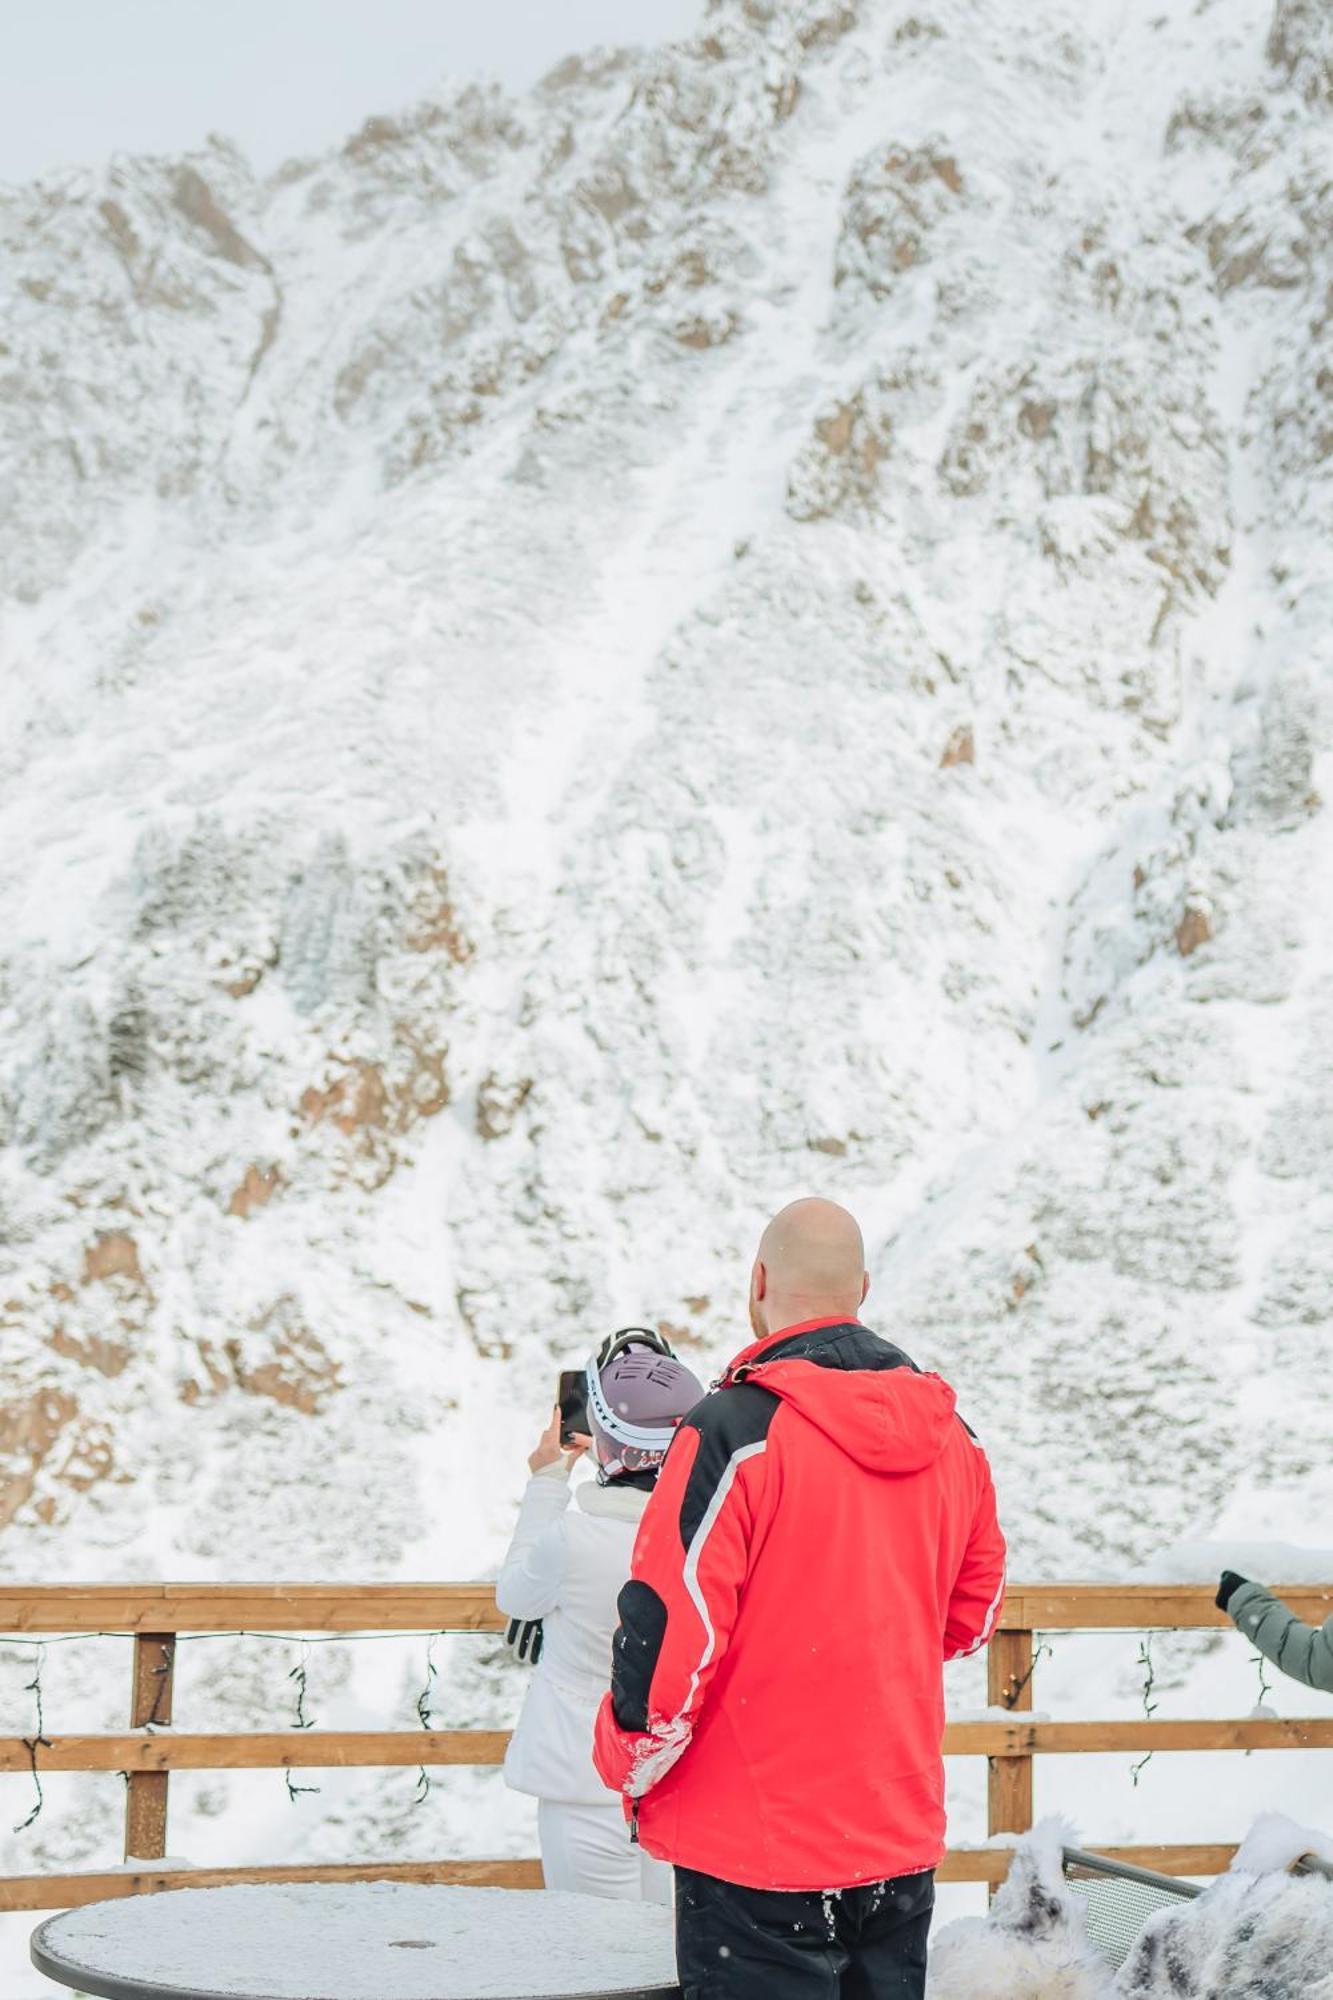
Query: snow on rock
{"points": [[754, 620]]}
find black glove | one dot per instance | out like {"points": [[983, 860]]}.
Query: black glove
{"points": [[523, 1636], [1228, 1587]]}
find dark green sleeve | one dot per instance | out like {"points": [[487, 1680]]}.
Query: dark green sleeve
{"points": [[1303, 1651]]}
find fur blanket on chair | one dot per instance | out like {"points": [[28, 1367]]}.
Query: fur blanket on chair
{"points": [[1257, 1933]]}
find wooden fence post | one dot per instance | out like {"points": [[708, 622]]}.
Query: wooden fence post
{"points": [[146, 1791], [1009, 1666]]}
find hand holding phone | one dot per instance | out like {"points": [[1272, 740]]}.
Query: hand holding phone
{"points": [[552, 1445]]}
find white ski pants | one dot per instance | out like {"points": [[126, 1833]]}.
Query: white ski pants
{"points": [[588, 1849]]}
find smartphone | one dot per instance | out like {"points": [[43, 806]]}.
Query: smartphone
{"points": [[573, 1400]]}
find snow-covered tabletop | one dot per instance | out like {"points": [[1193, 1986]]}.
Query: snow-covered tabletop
{"points": [[360, 1941]]}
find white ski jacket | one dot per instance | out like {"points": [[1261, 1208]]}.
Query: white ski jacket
{"points": [[567, 1566]]}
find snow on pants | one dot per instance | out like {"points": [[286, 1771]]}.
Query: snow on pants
{"points": [[587, 1849], [848, 1944]]}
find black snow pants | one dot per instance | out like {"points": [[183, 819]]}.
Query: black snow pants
{"points": [[765, 1944]]}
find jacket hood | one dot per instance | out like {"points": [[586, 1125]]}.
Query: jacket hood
{"points": [[861, 1391]]}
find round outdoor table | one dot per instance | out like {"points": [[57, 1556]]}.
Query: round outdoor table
{"points": [[361, 1941]]}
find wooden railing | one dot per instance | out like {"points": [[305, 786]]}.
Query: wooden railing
{"points": [[155, 1614]]}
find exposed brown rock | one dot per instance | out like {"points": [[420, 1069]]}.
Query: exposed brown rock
{"points": [[835, 432], [700, 332], [679, 1336], [435, 925], [297, 1370], [197, 203], [90, 1457], [1195, 928], [1035, 419], [29, 1429], [961, 747], [353, 1102], [108, 1357], [423, 1091], [244, 982], [822, 27], [839, 469], [498, 1104], [120, 229], [893, 204], [835, 1148], [1027, 1269], [370, 1103], [690, 270], [256, 1190], [1300, 41], [113, 1255]]}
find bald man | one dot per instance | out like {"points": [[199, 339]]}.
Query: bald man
{"points": [[822, 1539]]}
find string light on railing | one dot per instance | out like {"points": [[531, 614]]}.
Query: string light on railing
{"points": [[302, 1721], [162, 1676], [39, 1740], [1043, 1650], [35, 1652], [425, 1709], [1265, 1685], [1149, 1705]]}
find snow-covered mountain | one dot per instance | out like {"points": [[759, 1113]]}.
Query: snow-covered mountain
{"points": [[755, 621]]}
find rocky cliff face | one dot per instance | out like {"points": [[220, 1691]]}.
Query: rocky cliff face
{"points": [[757, 620]]}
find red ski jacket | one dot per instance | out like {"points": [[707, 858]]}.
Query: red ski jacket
{"points": [[821, 1539]]}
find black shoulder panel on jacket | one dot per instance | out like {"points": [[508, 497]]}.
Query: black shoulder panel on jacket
{"points": [[727, 1421], [634, 1652], [852, 1346]]}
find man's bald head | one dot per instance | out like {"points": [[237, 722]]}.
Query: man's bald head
{"points": [[811, 1264]]}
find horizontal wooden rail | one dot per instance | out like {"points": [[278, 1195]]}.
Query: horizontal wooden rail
{"points": [[1140, 1607], [242, 1607], [470, 1607], [1022, 1739], [991, 1864], [70, 1892], [67, 1892], [274, 1750], [324, 1749], [154, 1615]]}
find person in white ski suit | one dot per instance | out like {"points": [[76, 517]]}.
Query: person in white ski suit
{"points": [[566, 1566]]}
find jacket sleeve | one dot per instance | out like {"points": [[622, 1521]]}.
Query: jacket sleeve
{"points": [[1303, 1651], [978, 1589], [528, 1585], [677, 1611]]}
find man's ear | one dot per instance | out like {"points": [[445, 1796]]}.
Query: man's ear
{"points": [[865, 1285], [759, 1281]]}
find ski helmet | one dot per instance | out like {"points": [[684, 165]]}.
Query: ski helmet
{"points": [[637, 1394]]}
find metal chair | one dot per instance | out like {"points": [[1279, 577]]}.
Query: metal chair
{"points": [[1118, 1898]]}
